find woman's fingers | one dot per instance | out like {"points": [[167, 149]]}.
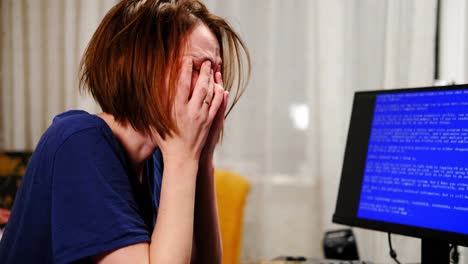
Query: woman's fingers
{"points": [[221, 108], [210, 93], [216, 103], [211, 90], [184, 82], [219, 78], [200, 91]]}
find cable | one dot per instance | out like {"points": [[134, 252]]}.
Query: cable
{"points": [[392, 252], [454, 255], [437, 43]]}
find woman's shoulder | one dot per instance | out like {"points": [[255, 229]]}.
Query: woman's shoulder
{"points": [[75, 124], [73, 121]]}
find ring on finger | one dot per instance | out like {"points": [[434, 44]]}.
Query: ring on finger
{"points": [[206, 102]]}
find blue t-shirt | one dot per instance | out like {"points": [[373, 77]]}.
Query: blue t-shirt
{"points": [[79, 196]]}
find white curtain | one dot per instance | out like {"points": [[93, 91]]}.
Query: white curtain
{"points": [[42, 42], [454, 41], [288, 132]]}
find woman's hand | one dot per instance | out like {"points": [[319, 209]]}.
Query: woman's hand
{"points": [[193, 114], [218, 122]]}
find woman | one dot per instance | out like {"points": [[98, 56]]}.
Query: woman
{"points": [[135, 183]]}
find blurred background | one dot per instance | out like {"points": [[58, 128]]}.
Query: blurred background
{"points": [[287, 134]]}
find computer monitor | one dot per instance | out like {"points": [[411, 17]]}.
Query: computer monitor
{"points": [[405, 167]]}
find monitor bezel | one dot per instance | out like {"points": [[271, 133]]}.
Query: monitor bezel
{"points": [[348, 162]]}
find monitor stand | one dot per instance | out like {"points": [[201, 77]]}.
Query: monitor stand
{"points": [[434, 252]]}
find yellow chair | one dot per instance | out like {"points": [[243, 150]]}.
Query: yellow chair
{"points": [[231, 194]]}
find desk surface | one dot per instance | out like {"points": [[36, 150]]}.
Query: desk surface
{"points": [[310, 261], [272, 262]]}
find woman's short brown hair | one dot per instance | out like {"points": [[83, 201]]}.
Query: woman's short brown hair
{"points": [[138, 47]]}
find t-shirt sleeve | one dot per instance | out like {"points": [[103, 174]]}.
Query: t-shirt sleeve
{"points": [[93, 204]]}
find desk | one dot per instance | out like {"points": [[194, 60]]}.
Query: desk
{"points": [[309, 261]]}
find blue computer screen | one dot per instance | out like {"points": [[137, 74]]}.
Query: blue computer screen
{"points": [[416, 170]]}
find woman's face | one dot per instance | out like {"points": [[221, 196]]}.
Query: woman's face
{"points": [[202, 46]]}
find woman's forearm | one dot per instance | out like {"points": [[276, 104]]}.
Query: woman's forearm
{"points": [[172, 238], [207, 235]]}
